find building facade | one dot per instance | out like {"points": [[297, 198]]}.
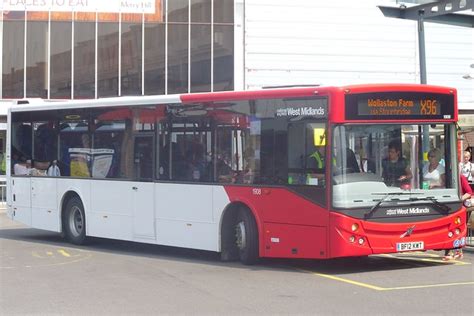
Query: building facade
{"points": [[183, 46]]}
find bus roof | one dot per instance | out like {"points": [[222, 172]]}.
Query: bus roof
{"points": [[35, 104]]}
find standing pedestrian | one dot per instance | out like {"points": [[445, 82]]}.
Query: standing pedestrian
{"points": [[456, 253], [466, 166]]}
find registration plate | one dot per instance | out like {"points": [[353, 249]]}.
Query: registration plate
{"points": [[409, 246]]}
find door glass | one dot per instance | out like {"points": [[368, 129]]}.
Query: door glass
{"points": [[306, 153], [143, 158]]}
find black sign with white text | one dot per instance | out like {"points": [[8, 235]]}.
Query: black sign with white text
{"points": [[306, 108]]}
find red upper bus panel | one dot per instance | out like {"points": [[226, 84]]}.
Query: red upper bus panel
{"points": [[376, 102]]}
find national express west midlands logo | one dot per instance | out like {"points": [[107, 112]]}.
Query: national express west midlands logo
{"points": [[408, 211], [301, 111]]}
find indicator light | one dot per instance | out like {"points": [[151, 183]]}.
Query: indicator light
{"points": [[457, 231], [450, 234], [354, 227], [457, 220], [352, 238], [361, 241]]}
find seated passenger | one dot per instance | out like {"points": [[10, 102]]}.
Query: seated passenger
{"points": [[396, 169], [224, 170], [433, 172], [316, 166], [53, 169], [22, 168], [196, 164]]}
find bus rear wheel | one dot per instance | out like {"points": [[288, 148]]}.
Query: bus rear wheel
{"points": [[75, 221], [246, 237]]}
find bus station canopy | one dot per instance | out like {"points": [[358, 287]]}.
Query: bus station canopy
{"points": [[452, 12]]}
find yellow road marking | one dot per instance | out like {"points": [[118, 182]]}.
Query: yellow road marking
{"points": [[64, 253], [427, 286], [369, 286], [378, 288], [49, 253], [35, 254], [438, 260]]}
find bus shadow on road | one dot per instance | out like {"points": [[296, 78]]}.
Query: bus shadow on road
{"points": [[374, 263], [329, 266], [110, 246]]}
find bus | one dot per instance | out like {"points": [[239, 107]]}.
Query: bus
{"points": [[296, 172]]}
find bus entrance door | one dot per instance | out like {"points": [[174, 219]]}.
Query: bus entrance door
{"points": [[143, 188], [21, 199]]}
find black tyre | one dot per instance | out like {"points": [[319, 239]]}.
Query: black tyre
{"points": [[74, 221], [246, 237]]}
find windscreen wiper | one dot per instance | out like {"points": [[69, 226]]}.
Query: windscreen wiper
{"points": [[385, 196], [443, 207]]}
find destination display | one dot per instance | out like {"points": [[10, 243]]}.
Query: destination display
{"points": [[399, 105]]}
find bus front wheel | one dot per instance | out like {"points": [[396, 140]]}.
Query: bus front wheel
{"points": [[246, 237], [75, 221]]}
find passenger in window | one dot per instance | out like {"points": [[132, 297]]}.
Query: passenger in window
{"points": [[22, 167], [30, 167], [315, 166], [15, 157], [197, 164], [53, 169], [248, 172], [396, 170], [38, 168], [224, 170], [433, 171]]}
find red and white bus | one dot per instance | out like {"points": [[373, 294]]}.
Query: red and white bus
{"points": [[287, 172]]}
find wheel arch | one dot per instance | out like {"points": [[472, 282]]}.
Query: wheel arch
{"points": [[228, 219]]}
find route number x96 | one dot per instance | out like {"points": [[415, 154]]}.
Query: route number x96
{"points": [[428, 107]]}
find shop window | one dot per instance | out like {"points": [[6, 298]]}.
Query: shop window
{"points": [[84, 60], [131, 67], [61, 59]]}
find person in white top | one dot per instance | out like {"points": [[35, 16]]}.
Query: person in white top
{"points": [[22, 168], [466, 166], [433, 172]]}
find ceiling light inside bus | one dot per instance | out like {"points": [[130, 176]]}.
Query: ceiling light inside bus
{"points": [[355, 227]]}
